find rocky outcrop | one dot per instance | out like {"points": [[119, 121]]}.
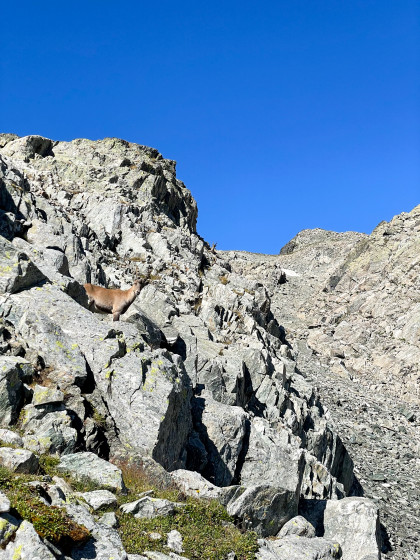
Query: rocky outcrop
{"points": [[199, 375]]}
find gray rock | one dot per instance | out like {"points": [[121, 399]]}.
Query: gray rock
{"points": [[109, 518], [87, 466], [99, 498], [18, 460], [294, 547], [46, 395], [27, 545], [7, 436], [105, 542], [12, 374], [264, 509], [222, 430], [148, 507], [17, 271], [4, 503], [8, 526], [297, 526], [174, 541], [48, 429], [194, 484], [354, 523], [153, 555]]}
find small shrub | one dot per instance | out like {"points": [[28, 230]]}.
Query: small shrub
{"points": [[50, 522], [224, 279]]}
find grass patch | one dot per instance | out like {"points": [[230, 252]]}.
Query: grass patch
{"points": [[207, 530], [50, 522]]}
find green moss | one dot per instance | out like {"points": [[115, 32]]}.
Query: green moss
{"points": [[207, 530], [50, 522]]}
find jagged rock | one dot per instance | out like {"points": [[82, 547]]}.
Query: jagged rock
{"points": [[297, 526], [264, 509], [233, 326], [13, 372], [4, 503], [18, 460], [222, 430], [354, 523], [7, 436], [8, 527], [26, 545], [294, 547], [48, 427], [99, 498], [148, 507], [160, 392], [17, 271], [90, 467]]}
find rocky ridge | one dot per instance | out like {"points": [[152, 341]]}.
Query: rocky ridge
{"points": [[199, 379]]}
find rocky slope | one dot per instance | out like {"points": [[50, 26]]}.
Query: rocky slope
{"points": [[209, 380]]}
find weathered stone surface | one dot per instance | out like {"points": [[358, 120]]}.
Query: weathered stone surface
{"points": [[48, 429], [99, 498], [13, 370], [194, 484], [8, 526], [354, 523], [105, 542], [222, 430], [4, 503], [27, 545], [264, 509], [174, 541], [88, 466], [109, 518], [18, 460], [17, 271], [297, 526], [46, 395], [148, 507], [153, 555], [296, 548], [7, 436]]}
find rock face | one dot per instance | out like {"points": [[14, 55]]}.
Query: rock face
{"points": [[209, 370]]}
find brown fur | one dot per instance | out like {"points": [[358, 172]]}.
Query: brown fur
{"points": [[112, 300]]}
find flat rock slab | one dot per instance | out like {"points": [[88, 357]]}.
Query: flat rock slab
{"points": [[298, 548], [354, 523], [88, 466], [148, 507], [18, 460], [46, 395], [99, 498]]}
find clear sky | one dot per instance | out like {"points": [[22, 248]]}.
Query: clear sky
{"points": [[282, 115]]}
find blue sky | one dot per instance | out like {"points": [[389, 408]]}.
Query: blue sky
{"points": [[281, 115]]}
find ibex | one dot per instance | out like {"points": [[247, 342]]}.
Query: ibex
{"points": [[112, 300]]}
